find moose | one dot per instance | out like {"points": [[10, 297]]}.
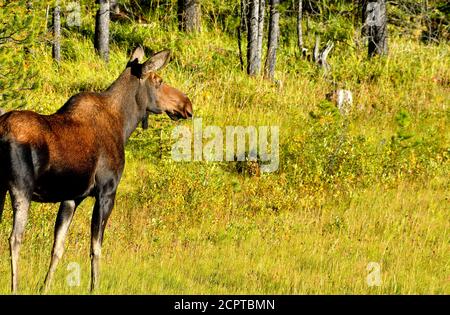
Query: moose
{"points": [[78, 152]]}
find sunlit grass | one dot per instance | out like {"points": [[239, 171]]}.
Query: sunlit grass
{"points": [[204, 228]]}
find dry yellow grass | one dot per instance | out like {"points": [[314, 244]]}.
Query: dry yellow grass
{"points": [[204, 228]]}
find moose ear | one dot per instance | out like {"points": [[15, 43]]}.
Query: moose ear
{"points": [[138, 53], [156, 62]]}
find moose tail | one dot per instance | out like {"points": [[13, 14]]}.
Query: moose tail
{"points": [[3, 168]]}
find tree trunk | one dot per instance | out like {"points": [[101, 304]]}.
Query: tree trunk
{"points": [[252, 38], [189, 15], [274, 32], [316, 49], [242, 28], [101, 39], [299, 25], [376, 26], [320, 57], [56, 49], [261, 16], [362, 5]]}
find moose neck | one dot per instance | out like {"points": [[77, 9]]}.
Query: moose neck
{"points": [[123, 94]]}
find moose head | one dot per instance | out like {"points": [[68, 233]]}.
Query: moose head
{"points": [[153, 95]]}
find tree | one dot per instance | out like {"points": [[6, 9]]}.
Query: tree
{"points": [[56, 49], [189, 15], [261, 16], [299, 25], [375, 24], [274, 32], [255, 33], [320, 57], [18, 36], [242, 28], [252, 37], [101, 38]]}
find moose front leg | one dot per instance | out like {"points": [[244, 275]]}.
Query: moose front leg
{"points": [[103, 206], [63, 220]]}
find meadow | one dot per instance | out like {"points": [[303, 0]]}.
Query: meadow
{"points": [[370, 187]]}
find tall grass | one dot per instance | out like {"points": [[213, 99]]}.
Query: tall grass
{"points": [[372, 187]]}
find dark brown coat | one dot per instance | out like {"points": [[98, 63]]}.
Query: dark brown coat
{"points": [[79, 151]]}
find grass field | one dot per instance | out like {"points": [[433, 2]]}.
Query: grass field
{"points": [[369, 188]]}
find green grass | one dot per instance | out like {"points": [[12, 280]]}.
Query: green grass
{"points": [[309, 228]]}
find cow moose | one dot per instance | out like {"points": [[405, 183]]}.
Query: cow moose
{"points": [[78, 152]]}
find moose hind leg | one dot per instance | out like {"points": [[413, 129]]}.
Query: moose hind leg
{"points": [[21, 203], [20, 190], [63, 221], [102, 209]]}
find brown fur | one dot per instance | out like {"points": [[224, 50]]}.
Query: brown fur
{"points": [[79, 151]]}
